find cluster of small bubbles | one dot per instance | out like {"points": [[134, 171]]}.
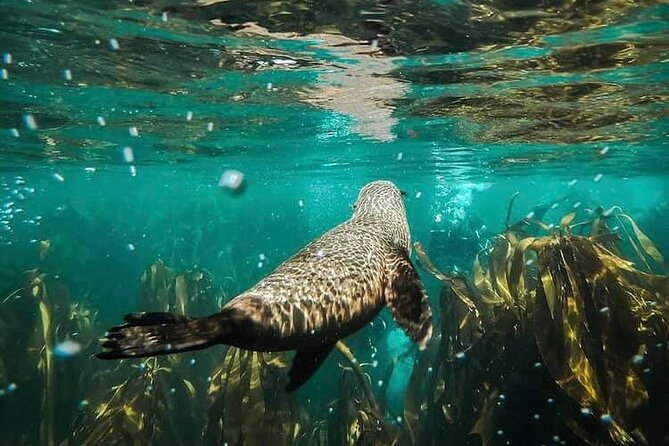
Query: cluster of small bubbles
{"points": [[67, 74], [598, 177], [400, 155], [189, 115], [210, 126], [29, 121], [101, 121], [133, 131], [113, 44], [572, 182]]}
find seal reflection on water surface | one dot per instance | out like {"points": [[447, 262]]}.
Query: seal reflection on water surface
{"points": [[328, 290]]}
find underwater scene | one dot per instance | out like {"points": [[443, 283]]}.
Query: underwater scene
{"points": [[353, 222]]}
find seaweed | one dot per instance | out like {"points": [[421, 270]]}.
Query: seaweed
{"points": [[591, 321]]}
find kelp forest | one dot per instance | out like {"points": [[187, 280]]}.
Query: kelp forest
{"points": [[557, 334]]}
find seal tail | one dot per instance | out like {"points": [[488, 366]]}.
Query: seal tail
{"points": [[152, 334]]}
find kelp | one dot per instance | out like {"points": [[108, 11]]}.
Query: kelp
{"points": [[34, 317], [592, 320], [246, 392], [136, 411]]}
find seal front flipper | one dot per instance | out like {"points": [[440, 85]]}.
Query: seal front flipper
{"points": [[407, 300], [305, 363]]}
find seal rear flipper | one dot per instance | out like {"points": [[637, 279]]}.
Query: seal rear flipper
{"points": [[305, 363], [151, 334], [407, 300]]}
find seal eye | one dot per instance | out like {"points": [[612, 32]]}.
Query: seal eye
{"points": [[403, 193]]}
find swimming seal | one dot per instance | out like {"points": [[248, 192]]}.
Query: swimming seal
{"points": [[330, 289]]}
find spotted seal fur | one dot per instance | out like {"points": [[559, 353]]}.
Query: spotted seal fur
{"points": [[330, 289]]}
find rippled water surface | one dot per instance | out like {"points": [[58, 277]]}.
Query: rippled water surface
{"points": [[118, 120]]}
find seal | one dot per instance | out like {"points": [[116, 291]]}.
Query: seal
{"points": [[328, 290]]}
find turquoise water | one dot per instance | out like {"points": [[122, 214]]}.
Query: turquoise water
{"points": [[118, 121]]}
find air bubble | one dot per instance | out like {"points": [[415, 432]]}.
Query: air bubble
{"points": [[128, 155], [67, 74], [14, 132], [598, 177], [59, 176], [210, 126], [164, 17], [572, 182], [400, 156], [29, 121], [7, 58], [133, 131], [101, 121], [4, 74], [231, 179], [189, 116], [113, 44]]}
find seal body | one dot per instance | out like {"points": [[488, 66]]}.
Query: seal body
{"points": [[328, 290]]}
